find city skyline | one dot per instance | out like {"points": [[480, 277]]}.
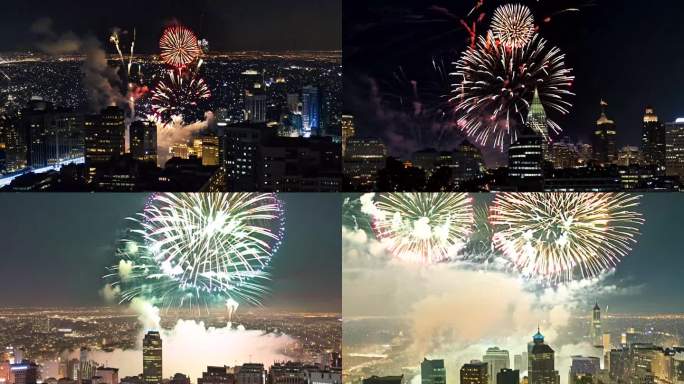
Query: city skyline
{"points": [[303, 261], [408, 36]]}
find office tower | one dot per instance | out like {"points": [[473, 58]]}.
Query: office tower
{"points": [[294, 105], [426, 160], [607, 346], [363, 160], [674, 153], [73, 369], [143, 139], [180, 378], [605, 151], [508, 376], [287, 373], [348, 131], [255, 104], [496, 359], [384, 380], [525, 160], [217, 375], [51, 135], [653, 142], [564, 154], [180, 150], [595, 333], [152, 358], [104, 135], [629, 155], [583, 369], [311, 111], [536, 120], [432, 372], [25, 372], [468, 161], [251, 373], [474, 372], [541, 362], [518, 363], [207, 148], [107, 375]]}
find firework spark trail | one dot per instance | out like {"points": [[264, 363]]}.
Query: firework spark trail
{"points": [[197, 250], [495, 84], [178, 95], [558, 237], [179, 46], [423, 227]]}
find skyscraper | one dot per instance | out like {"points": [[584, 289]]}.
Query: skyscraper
{"points": [[474, 372], [143, 139], [152, 358], [605, 151], [674, 154], [525, 160], [541, 362], [583, 368], [311, 111], [508, 376], [251, 373], [25, 372], [496, 359], [595, 332], [536, 119], [432, 372], [104, 136], [348, 131], [653, 144]]}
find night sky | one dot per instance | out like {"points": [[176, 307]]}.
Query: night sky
{"points": [[229, 25], [626, 52], [56, 247]]}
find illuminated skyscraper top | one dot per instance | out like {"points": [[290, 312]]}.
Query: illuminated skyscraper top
{"points": [[536, 119], [605, 151], [595, 333]]}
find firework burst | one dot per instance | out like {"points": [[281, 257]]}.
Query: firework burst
{"points": [[179, 46], [193, 250], [495, 85], [423, 227], [558, 237], [179, 95], [513, 25]]}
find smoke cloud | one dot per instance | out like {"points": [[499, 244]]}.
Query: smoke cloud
{"points": [[190, 347], [456, 313], [179, 132]]}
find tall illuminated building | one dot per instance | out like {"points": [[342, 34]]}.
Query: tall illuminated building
{"points": [[251, 373], [348, 131], [508, 376], [541, 363], [255, 104], [674, 153], [584, 368], [207, 148], [143, 139], [474, 372], [525, 160], [25, 373], [105, 137], [536, 119], [152, 358], [653, 144], [595, 332], [311, 111], [432, 372], [603, 140], [496, 359]]}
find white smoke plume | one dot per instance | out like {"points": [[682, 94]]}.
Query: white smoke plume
{"points": [[457, 313], [110, 293], [179, 132]]}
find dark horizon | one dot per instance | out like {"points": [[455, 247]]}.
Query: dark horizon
{"points": [[237, 25]]}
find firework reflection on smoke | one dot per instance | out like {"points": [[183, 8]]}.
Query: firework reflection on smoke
{"points": [[495, 85], [558, 237], [423, 227]]}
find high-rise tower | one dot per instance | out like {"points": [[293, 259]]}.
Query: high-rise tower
{"points": [[653, 144], [603, 141], [432, 372], [595, 331], [496, 359], [152, 358], [541, 363]]}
